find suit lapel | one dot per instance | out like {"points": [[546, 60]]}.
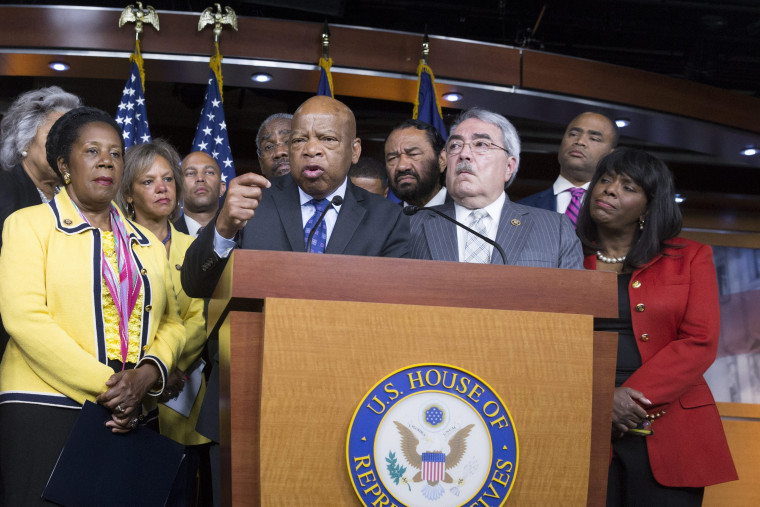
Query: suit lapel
{"points": [[513, 232], [284, 194], [351, 214], [441, 235]]}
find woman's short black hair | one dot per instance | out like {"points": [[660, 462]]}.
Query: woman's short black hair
{"points": [[663, 216], [64, 133]]}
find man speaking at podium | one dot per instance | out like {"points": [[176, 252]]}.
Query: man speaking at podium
{"points": [[313, 209], [482, 156]]}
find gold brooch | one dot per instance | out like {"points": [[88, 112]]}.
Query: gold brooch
{"points": [[515, 222]]}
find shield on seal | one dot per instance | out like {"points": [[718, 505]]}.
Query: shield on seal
{"points": [[433, 466]]}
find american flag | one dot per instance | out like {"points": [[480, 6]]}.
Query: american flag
{"points": [[433, 466], [132, 116], [211, 135]]}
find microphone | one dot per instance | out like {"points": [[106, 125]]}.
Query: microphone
{"points": [[336, 201], [411, 210]]}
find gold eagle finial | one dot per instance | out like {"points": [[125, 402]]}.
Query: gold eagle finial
{"points": [[138, 16], [208, 16]]}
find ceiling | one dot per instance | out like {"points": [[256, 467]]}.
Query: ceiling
{"points": [[707, 41], [714, 43]]}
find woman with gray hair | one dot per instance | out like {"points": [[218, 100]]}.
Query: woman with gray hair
{"points": [[26, 178]]}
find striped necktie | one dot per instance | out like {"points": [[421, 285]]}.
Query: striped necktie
{"points": [[575, 204]]}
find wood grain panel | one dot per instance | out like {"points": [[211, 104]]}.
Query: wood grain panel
{"points": [[622, 85], [434, 283], [743, 440], [605, 358], [240, 380], [315, 375]]}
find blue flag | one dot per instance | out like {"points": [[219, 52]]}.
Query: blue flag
{"points": [[325, 78], [426, 108], [132, 116], [211, 135]]}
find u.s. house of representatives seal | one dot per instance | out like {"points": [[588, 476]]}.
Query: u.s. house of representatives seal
{"points": [[432, 435]]}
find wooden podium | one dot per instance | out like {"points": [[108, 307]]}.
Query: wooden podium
{"points": [[304, 337]]}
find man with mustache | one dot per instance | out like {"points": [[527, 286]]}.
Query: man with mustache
{"points": [[413, 161], [272, 141], [482, 156], [588, 138], [280, 214], [203, 188]]}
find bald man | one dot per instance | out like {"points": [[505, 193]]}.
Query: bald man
{"points": [[588, 137], [280, 214]]}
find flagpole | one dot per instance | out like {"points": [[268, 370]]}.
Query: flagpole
{"points": [[211, 136], [132, 115]]}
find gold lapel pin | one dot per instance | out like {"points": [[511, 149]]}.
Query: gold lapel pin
{"points": [[67, 221], [515, 222]]}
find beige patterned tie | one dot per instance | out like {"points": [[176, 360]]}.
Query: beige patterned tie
{"points": [[475, 249]]}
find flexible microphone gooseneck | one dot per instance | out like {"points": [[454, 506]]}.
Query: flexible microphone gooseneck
{"points": [[411, 210], [336, 201]]}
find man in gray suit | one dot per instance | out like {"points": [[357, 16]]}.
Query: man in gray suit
{"points": [[482, 156]]}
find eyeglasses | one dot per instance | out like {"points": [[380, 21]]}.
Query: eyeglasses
{"points": [[478, 146], [270, 148]]}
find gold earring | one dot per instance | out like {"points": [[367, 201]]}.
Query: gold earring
{"points": [[66, 178], [641, 223]]}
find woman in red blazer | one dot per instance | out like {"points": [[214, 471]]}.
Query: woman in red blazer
{"points": [[667, 437]]}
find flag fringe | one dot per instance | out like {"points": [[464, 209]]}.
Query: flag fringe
{"points": [[138, 59], [327, 64], [215, 62]]}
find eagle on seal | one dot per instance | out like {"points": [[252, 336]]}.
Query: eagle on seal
{"points": [[457, 447]]}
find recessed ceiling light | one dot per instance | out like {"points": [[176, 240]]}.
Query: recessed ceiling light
{"points": [[452, 97], [59, 66], [622, 122], [261, 77], [750, 150]]}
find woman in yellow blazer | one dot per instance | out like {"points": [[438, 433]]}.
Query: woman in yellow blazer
{"points": [[89, 305], [150, 187]]}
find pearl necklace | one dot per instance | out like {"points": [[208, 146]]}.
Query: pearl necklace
{"points": [[609, 260]]}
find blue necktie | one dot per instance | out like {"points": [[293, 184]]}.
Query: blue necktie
{"points": [[319, 240]]}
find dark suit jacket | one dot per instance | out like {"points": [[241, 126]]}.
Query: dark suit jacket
{"points": [[17, 191], [677, 328], [181, 225], [367, 225], [529, 237], [543, 200]]}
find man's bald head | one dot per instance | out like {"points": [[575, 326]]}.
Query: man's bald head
{"points": [[323, 145]]}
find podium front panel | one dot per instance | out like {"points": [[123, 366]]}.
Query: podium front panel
{"points": [[320, 358]]}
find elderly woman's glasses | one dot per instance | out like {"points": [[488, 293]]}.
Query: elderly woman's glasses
{"points": [[478, 146]]}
